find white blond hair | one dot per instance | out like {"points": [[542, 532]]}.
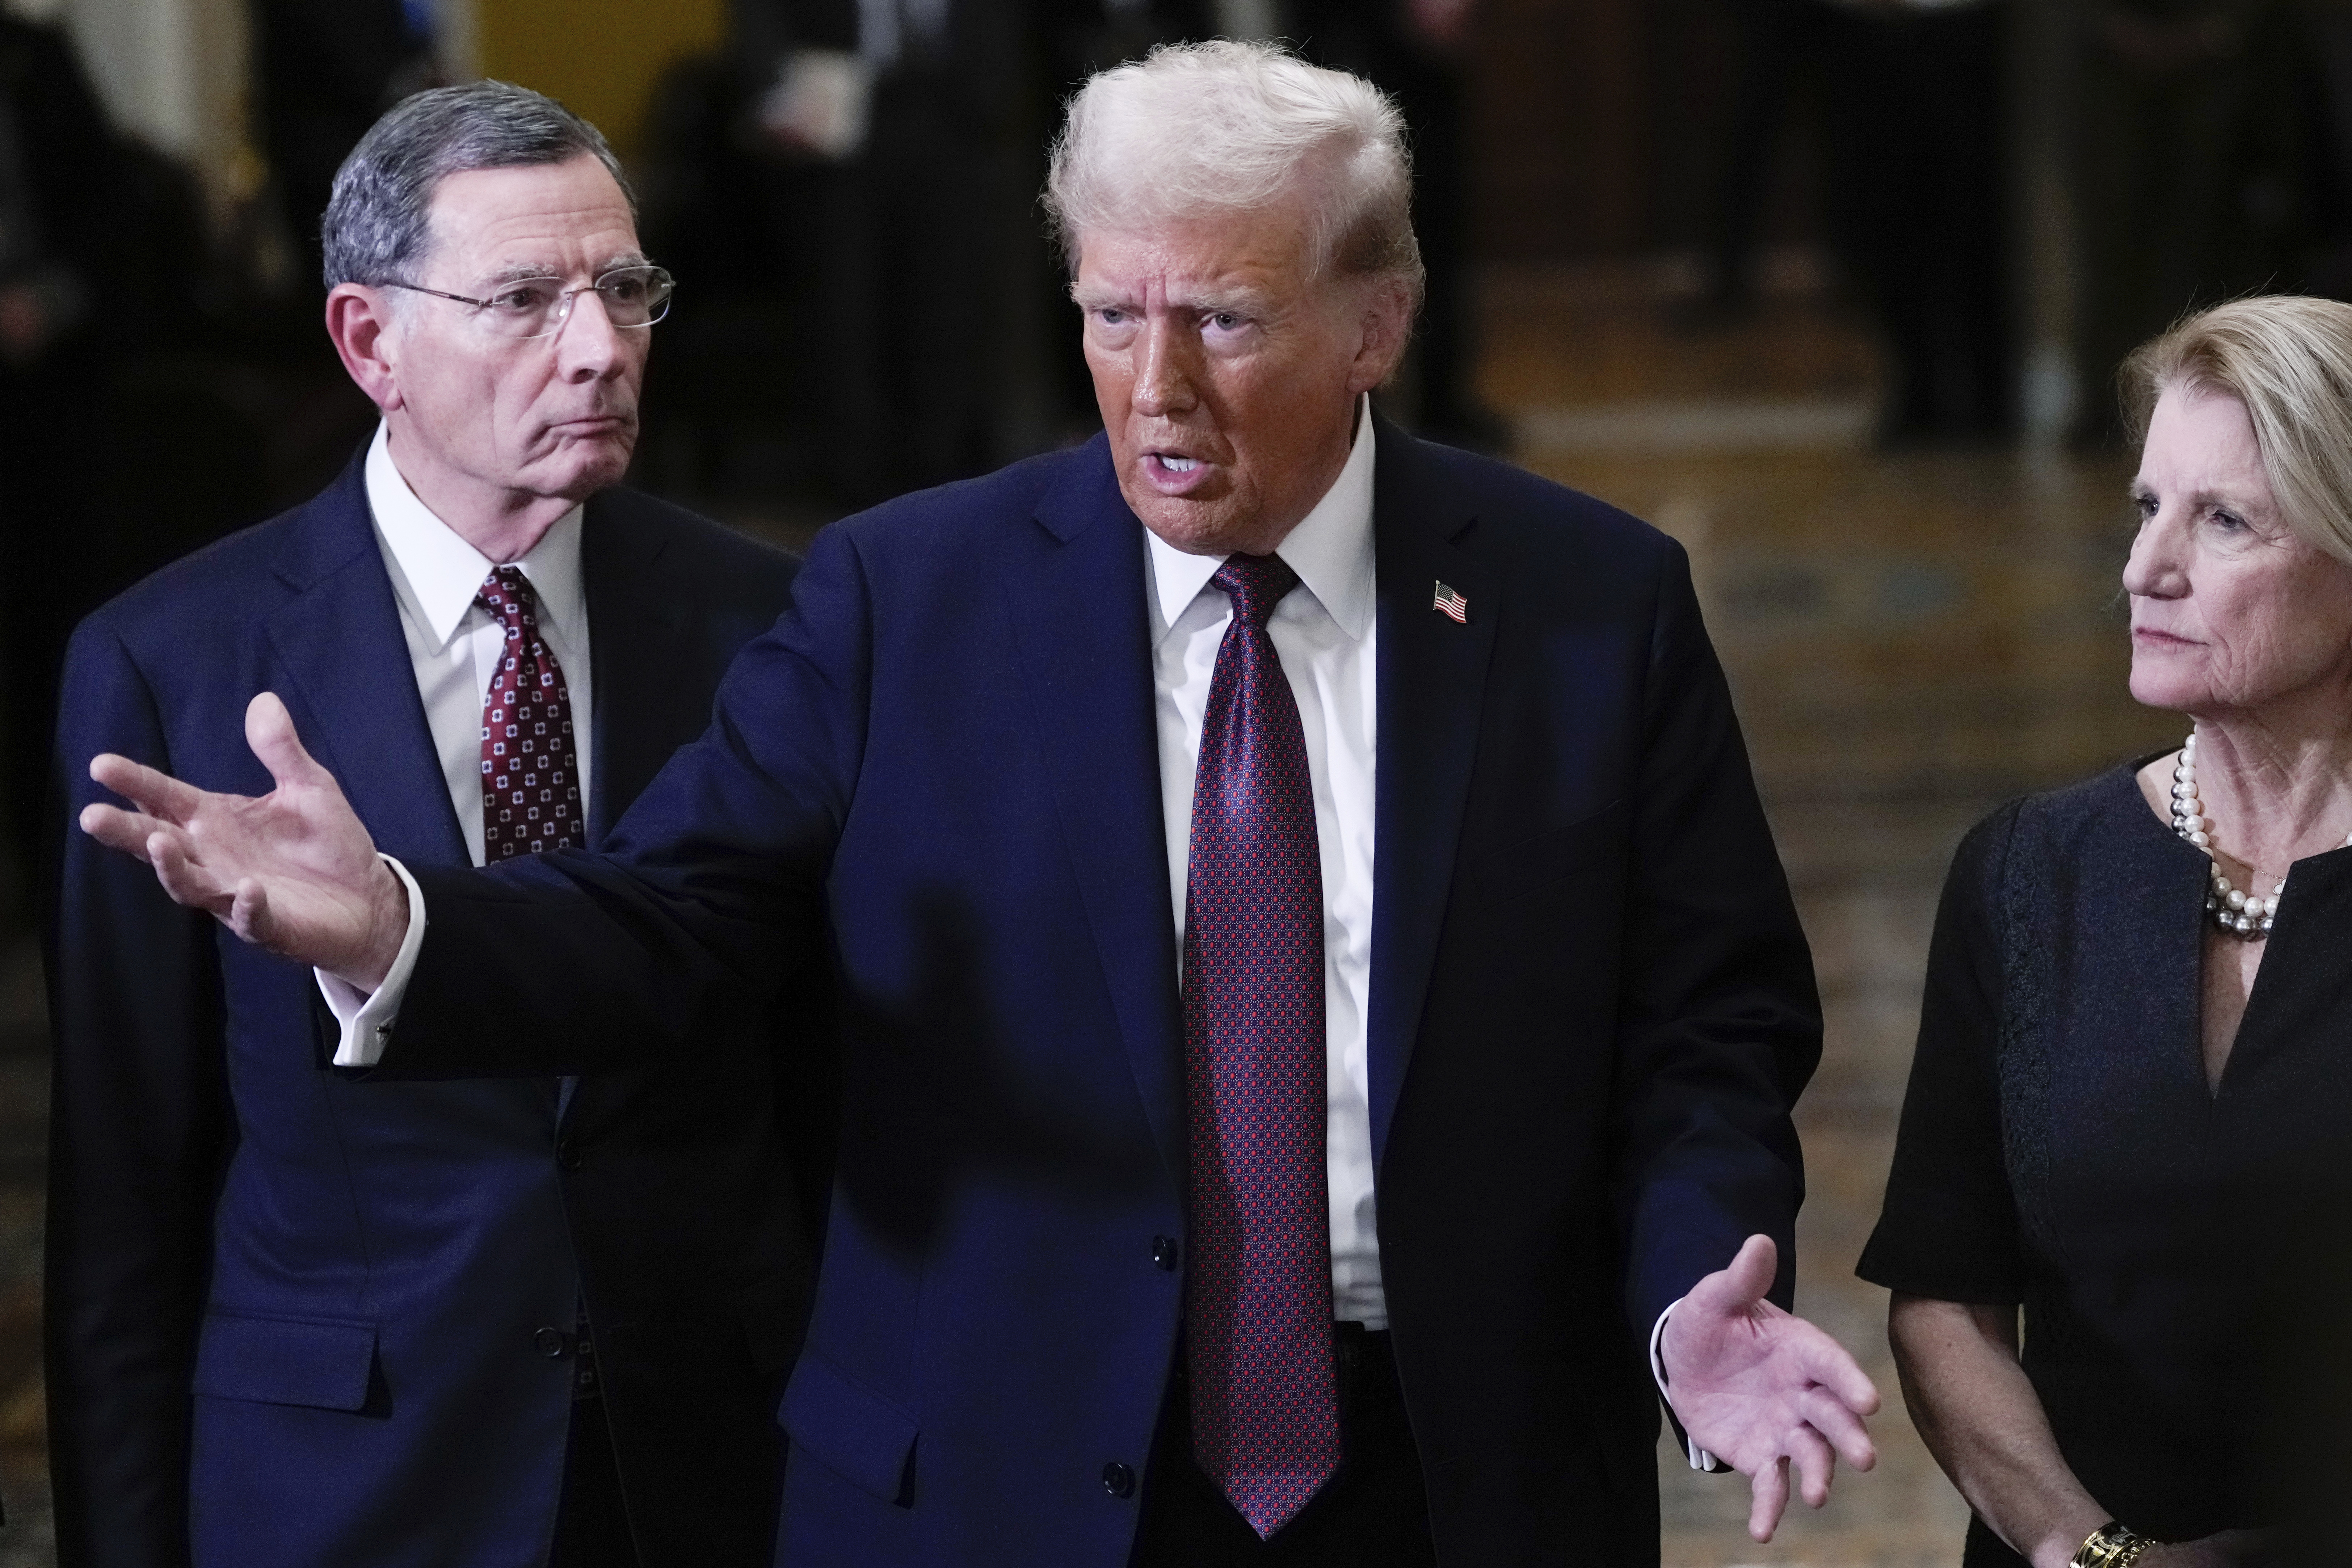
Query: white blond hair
{"points": [[1225, 126], [2288, 359]]}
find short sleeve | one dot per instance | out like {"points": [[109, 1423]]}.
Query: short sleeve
{"points": [[1950, 1229]]}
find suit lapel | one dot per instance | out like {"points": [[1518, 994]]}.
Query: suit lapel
{"points": [[340, 643], [632, 626], [1432, 677], [1074, 584]]}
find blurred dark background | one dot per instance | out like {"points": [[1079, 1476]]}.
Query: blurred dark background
{"points": [[1833, 290]]}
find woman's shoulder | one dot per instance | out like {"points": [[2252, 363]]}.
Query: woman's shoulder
{"points": [[2105, 814]]}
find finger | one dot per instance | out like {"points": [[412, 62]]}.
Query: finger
{"points": [[184, 879], [156, 793], [1829, 1415], [270, 730], [1828, 1363], [1768, 1492], [1816, 1465], [119, 829]]}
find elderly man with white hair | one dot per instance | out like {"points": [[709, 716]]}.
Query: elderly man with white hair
{"points": [[1321, 1004]]}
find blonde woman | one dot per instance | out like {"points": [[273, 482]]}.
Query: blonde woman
{"points": [[2131, 1045]]}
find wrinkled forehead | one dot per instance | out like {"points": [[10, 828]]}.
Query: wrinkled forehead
{"points": [[531, 219], [1203, 256]]}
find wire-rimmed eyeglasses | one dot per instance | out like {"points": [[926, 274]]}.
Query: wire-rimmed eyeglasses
{"points": [[537, 307]]}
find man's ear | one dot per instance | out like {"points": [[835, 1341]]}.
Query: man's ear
{"points": [[1387, 328], [358, 319]]}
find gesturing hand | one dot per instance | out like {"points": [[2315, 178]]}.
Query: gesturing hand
{"points": [[292, 871], [1758, 1387]]}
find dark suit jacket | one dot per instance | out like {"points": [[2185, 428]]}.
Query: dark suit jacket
{"points": [[1591, 1005], [292, 1318]]}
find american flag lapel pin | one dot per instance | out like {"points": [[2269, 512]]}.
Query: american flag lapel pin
{"points": [[1450, 602]]}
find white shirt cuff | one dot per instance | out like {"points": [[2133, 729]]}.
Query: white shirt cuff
{"points": [[1700, 1460], [367, 1019]]}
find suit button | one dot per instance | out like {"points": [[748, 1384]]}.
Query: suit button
{"points": [[567, 1154], [1117, 1479], [1164, 1251], [548, 1342]]}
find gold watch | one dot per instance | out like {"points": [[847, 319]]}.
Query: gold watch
{"points": [[2109, 1546]]}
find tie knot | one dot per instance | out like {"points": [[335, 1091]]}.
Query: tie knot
{"points": [[1255, 583], [506, 594]]}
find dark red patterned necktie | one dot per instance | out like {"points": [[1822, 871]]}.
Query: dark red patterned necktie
{"points": [[530, 770], [1257, 1310]]}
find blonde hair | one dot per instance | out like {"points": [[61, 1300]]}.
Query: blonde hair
{"points": [[2288, 359], [1223, 126]]}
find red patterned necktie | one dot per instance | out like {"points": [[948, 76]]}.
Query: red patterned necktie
{"points": [[530, 770], [1257, 1310]]}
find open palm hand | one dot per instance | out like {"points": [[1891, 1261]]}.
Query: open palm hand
{"points": [[292, 871], [1760, 1388]]}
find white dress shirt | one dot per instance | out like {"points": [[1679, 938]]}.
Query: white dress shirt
{"points": [[454, 647], [1323, 631]]}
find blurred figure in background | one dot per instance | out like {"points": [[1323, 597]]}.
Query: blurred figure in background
{"points": [[1919, 202], [1779, 46], [908, 118], [327, 68], [1414, 51], [1912, 105], [2186, 177], [61, 298]]}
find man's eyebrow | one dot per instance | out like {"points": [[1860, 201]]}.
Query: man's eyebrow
{"points": [[534, 271], [522, 272], [1242, 300]]}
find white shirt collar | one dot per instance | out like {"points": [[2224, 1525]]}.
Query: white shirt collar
{"points": [[441, 573], [1331, 550]]}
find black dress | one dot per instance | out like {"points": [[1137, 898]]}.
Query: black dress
{"points": [[2060, 1148]]}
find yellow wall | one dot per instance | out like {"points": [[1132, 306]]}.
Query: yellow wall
{"points": [[601, 57]]}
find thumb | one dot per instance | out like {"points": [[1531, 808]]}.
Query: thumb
{"points": [[270, 730], [1742, 1284]]}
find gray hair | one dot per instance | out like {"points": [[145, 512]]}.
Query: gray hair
{"points": [[1225, 126], [378, 219], [2288, 359]]}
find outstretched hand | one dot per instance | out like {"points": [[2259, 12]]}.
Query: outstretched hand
{"points": [[292, 871], [1758, 1387]]}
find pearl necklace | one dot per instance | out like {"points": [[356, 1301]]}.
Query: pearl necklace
{"points": [[2236, 913]]}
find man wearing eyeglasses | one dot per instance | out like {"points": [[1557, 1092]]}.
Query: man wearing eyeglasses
{"points": [[296, 1318]]}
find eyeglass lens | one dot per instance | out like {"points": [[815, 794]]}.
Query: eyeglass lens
{"points": [[633, 297]]}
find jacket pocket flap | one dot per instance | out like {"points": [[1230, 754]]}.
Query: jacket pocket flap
{"points": [[860, 1435], [285, 1361]]}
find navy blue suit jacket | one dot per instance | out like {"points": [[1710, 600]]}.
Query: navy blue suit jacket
{"points": [[1592, 1004], [293, 1319]]}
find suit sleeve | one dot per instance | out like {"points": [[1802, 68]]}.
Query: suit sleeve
{"points": [[139, 1129], [714, 879], [1720, 1024]]}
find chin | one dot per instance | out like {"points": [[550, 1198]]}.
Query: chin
{"points": [[585, 472], [1190, 526], [2152, 691]]}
